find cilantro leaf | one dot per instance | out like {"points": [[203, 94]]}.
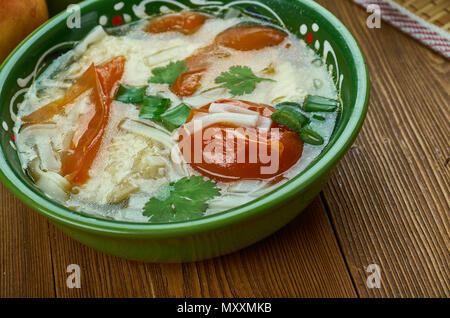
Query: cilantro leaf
{"points": [[183, 200], [168, 74], [240, 80]]}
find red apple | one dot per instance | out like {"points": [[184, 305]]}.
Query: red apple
{"points": [[18, 18]]}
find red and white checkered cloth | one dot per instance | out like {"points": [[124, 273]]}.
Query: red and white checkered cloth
{"points": [[423, 31]]}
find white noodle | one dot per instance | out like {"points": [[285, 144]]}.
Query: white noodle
{"points": [[239, 120]]}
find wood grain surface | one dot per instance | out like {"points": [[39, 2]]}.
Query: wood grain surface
{"points": [[387, 203], [389, 197]]}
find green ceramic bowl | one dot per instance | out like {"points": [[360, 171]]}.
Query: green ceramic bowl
{"points": [[213, 235]]}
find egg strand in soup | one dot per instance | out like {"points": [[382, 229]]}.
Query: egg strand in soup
{"points": [[176, 117]]}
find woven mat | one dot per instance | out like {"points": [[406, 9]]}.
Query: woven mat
{"points": [[428, 21], [433, 11]]}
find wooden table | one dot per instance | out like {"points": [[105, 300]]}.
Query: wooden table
{"points": [[387, 203]]}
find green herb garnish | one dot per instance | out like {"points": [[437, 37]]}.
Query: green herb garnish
{"points": [[309, 136], [296, 121], [292, 104], [318, 117], [240, 80], [182, 200], [168, 74], [319, 104], [290, 118], [130, 95], [153, 107], [175, 117]]}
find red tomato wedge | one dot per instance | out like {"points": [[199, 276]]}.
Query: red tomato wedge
{"points": [[286, 147], [83, 150], [186, 23], [187, 83], [109, 75], [247, 38], [101, 82]]}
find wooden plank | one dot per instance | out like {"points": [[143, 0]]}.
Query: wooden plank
{"points": [[25, 266], [302, 259], [389, 198]]}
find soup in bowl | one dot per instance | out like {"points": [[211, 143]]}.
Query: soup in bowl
{"points": [[183, 131]]}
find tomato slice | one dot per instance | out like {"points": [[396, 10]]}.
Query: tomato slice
{"points": [[91, 127], [187, 83], [186, 23], [224, 164], [101, 81], [247, 38], [109, 75]]}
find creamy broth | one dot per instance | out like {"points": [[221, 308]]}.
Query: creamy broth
{"points": [[135, 158]]}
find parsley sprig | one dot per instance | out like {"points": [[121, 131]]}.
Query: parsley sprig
{"points": [[183, 200], [168, 74], [240, 80]]}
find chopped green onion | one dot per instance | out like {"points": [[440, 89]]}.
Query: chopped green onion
{"points": [[290, 118], [309, 136], [319, 104], [321, 100], [278, 106], [130, 95], [317, 117], [176, 117], [296, 121], [153, 107]]}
